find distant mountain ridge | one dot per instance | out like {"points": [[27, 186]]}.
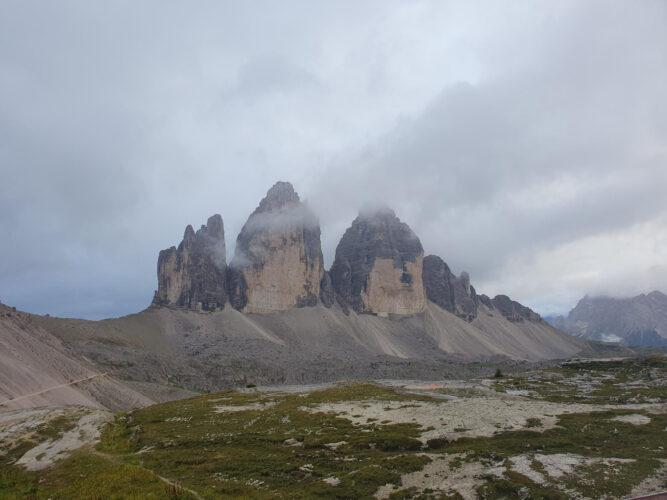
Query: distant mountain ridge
{"points": [[637, 321]]}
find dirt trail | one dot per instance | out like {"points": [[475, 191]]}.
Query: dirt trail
{"points": [[172, 483], [59, 386], [118, 460]]}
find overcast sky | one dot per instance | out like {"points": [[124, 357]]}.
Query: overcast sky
{"points": [[524, 142]]}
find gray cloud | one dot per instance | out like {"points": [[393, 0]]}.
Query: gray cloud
{"points": [[518, 146]]}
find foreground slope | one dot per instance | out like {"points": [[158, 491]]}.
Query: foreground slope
{"points": [[586, 430], [36, 369]]}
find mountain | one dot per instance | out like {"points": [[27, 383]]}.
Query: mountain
{"points": [[274, 314], [638, 321]]}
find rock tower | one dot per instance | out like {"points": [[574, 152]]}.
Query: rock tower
{"points": [[378, 266], [278, 261], [194, 274]]}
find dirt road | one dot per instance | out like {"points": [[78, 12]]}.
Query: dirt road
{"points": [[85, 379]]}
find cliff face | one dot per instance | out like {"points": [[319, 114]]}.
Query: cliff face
{"points": [[278, 261], [194, 274], [378, 266], [453, 294]]}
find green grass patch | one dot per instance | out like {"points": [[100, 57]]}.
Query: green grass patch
{"points": [[246, 452], [262, 445], [85, 476], [636, 380], [515, 485], [588, 434], [610, 479]]}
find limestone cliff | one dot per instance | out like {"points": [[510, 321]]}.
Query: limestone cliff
{"points": [[278, 261], [194, 274], [378, 266], [453, 294]]}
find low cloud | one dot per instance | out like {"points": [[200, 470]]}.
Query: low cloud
{"points": [[283, 219]]}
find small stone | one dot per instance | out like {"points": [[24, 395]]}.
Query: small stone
{"points": [[333, 481]]}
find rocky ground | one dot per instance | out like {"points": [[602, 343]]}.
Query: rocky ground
{"points": [[592, 429], [213, 351], [36, 438]]}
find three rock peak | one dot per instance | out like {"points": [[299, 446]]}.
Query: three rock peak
{"points": [[379, 266]]}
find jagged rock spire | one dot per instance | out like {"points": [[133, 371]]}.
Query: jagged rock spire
{"points": [[194, 274]]}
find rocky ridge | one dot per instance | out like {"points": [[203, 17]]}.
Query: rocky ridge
{"points": [[379, 267], [510, 309], [635, 321], [458, 296]]}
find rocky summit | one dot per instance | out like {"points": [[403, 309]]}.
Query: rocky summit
{"points": [[194, 274], [378, 266], [278, 262]]}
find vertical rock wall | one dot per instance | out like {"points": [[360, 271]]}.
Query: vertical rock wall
{"points": [[278, 261], [378, 266], [194, 274]]}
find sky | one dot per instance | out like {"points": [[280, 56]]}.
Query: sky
{"points": [[525, 142]]}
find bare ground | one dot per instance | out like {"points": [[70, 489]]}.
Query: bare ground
{"points": [[470, 417], [21, 425]]}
